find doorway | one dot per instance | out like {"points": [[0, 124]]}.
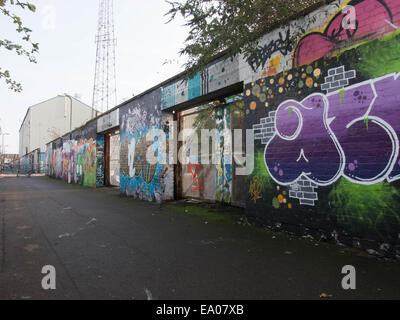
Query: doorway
{"points": [[112, 159]]}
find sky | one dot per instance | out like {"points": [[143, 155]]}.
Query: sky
{"points": [[65, 31]]}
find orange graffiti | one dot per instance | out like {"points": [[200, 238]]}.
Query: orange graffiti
{"points": [[273, 67], [255, 189]]}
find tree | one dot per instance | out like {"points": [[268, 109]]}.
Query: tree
{"points": [[231, 26], [7, 8]]}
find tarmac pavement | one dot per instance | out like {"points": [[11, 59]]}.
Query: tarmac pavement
{"points": [[104, 246]]}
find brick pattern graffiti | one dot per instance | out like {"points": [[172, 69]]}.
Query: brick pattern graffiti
{"points": [[337, 79]]}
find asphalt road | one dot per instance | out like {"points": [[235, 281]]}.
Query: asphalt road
{"points": [[104, 246]]}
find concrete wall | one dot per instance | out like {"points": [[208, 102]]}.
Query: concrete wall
{"points": [[24, 135], [327, 128]]}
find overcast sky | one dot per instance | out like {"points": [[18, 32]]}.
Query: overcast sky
{"points": [[66, 32]]}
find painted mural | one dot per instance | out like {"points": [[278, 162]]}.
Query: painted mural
{"points": [[327, 132], [100, 161], [75, 162], [138, 178]]}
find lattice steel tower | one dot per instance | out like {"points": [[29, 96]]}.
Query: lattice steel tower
{"points": [[104, 91]]}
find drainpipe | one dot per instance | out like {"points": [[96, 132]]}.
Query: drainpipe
{"points": [[70, 116]]}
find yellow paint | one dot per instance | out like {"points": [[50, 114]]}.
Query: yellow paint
{"points": [[274, 63], [255, 189], [317, 73]]}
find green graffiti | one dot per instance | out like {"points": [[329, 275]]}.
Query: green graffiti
{"points": [[380, 57], [262, 175], [366, 120], [341, 93], [366, 209], [275, 203]]}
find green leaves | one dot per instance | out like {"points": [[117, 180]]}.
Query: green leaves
{"points": [[6, 10], [31, 7], [13, 85]]}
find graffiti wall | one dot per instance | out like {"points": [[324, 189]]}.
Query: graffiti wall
{"points": [[139, 178], [100, 161], [327, 131], [30, 163], [322, 100], [73, 158]]}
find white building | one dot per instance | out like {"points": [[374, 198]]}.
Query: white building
{"points": [[48, 120]]}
